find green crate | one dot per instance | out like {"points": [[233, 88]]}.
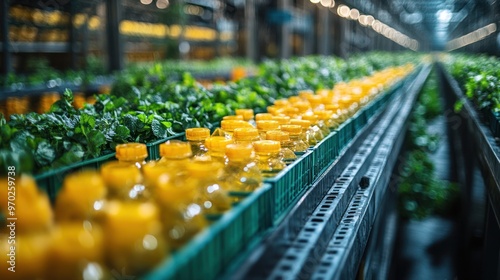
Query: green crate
{"points": [[154, 147], [325, 153], [287, 185], [211, 251], [51, 181]]}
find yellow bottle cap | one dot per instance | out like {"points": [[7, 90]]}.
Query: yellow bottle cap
{"points": [[131, 152], [323, 92], [197, 133], [302, 106], [231, 125], [277, 135], [310, 117], [233, 117], [303, 123], [267, 146], [294, 99], [281, 103], [246, 113], [200, 169], [118, 176], [315, 100], [292, 129], [245, 134], [324, 115], [175, 149], [304, 94], [238, 152], [267, 125], [332, 107], [291, 111], [274, 110], [217, 143], [282, 119], [263, 116]]}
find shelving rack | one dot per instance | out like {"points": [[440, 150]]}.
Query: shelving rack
{"points": [[468, 128]]}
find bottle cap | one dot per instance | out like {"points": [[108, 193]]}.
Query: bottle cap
{"points": [[303, 123], [315, 99], [310, 117], [197, 133], [267, 146], [302, 106], [267, 125], [324, 115], [282, 119], [238, 152], [230, 125], [292, 129], [131, 152], [217, 143], [175, 149], [246, 113], [245, 134], [263, 116], [281, 103], [304, 94], [277, 135]]}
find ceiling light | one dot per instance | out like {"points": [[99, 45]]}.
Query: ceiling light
{"points": [[369, 20], [146, 2], [444, 16], [354, 14], [326, 3], [363, 20], [343, 11], [315, 1], [162, 4]]}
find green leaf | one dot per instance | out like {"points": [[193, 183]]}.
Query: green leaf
{"points": [[159, 130], [45, 153], [457, 107], [95, 141], [122, 132]]}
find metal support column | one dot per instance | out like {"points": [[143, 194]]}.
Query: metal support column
{"points": [[6, 59], [285, 50], [72, 47], [324, 16], [115, 46], [251, 36]]}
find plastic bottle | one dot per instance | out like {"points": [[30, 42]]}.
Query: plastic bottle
{"points": [[282, 119], [316, 123], [241, 170], [181, 216], [295, 134], [268, 156], [78, 250], [248, 115], [133, 237], [212, 192], [310, 135], [246, 135], [124, 181], [287, 145], [265, 126], [217, 148], [233, 117], [82, 197], [175, 155], [329, 119], [196, 138]]}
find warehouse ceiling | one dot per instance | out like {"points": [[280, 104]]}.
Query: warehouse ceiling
{"points": [[432, 22]]}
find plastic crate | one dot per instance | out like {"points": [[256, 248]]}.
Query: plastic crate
{"points": [[211, 251], [287, 185], [51, 181], [154, 147], [325, 153]]}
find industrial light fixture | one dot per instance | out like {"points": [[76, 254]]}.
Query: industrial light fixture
{"points": [[444, 16], [146, 2], [472, 37], [162, 4]]}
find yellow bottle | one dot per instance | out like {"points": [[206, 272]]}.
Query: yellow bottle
{"points": [[265, 126], [196, 138], [268, 156], [316, 124], [124, 181], [295, 133], [246, 135], [287, 145], [228, 127], [233, 117], [78, 250], [217, 147], [133, 237], [241, 169], [309, 135], [175, 155], [282, 119], [212, 192], [181, 217], [329, 119], [82, 197]]}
